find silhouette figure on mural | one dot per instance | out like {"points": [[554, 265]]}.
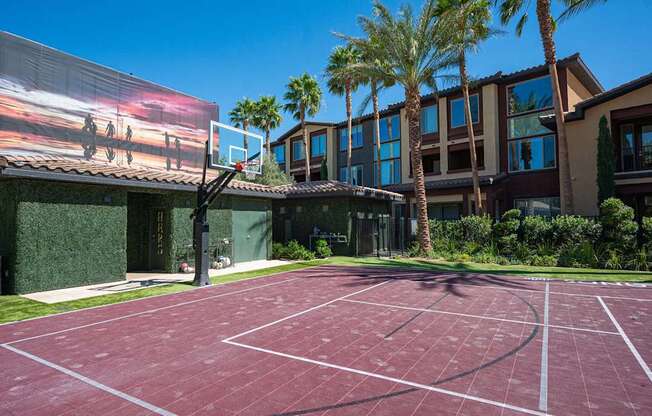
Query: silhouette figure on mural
{"points": [[90, 128], [168, 161], [177, 144], [128, 137], [110, 132]]}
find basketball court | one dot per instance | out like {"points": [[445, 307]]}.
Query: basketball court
{"points": [[342, 341]]}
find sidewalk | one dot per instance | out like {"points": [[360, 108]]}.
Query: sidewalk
{"points": [[135, 281]]}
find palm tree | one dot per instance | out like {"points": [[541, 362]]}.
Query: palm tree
{"points": [[267, 117], [508, 10], [409, 56], [343, 82], [371, 53], [464, 24], [243, 115], [303, 97]]}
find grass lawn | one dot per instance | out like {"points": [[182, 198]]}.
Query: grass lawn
{"points": [[15, 308]]}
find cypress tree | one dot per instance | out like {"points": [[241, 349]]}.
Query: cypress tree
{"points": [[323, 170], [605, 162]]}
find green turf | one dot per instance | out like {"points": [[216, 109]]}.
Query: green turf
{"points": [[14, 308]]}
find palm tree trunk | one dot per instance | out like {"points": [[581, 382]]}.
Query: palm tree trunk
{"points": [[546, 31], [469, 127], [349, 121], [374, 99], [413, 110], [306, 148], [268, 142], [245, 127]]}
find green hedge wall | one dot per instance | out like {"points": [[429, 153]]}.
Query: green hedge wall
{"points": [[68, 235]]}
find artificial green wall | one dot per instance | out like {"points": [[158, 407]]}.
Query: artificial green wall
{"points": [[7, 231], [329, 214], [67, 235]]}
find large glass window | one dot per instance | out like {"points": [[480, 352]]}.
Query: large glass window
{"points": [[356, 174], [429, 120], [532, 153], [547, 207], [356, 137], [527, 125], [298, 150], [318, 145], [390, 172], [390, 128], [646, 146], [534, 94], [450, 211], [458, 114], [279, 154], [431, 164]]}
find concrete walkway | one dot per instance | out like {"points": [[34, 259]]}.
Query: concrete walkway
{"points": [[135, 281]]}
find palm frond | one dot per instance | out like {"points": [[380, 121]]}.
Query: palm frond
{"points": [[575, 7]]}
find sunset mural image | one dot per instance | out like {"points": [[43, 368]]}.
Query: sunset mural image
{"points": [[55, 104]]}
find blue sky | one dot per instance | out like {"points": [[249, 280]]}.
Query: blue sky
{"points": [[225, 50]]}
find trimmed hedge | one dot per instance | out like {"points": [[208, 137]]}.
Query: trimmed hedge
{"points": [[612, 241]]}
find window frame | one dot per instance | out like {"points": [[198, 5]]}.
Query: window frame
{"points": [[281, 146], [541, 136], [535, 198], [292, 143], [358, 167], [436, 117], [343, 146], [317, 134], [522, 113], [450, 111]]}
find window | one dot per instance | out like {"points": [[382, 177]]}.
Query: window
{"points": [[458, 115], [356, 174], [534, 94], [429, 120], [390, 172], [461, 159], [390, 128], [318, 145], [527, 125], [356, 137], [627, 146], [279, 154], [298, 150], [646, 146], [451, 211], [533, 153], [546, 207], [431, 164]]}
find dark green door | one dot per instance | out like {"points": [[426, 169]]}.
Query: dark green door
{"points": [[250, 231]]}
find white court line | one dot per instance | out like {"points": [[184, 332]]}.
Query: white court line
{"points": [[385, 305], [305, 311], [149, 311], [543, 386], [391, 379], [631, 346], [91, 382]]}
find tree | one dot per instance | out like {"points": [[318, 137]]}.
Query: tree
{"points": [[323, 170], [271, 174], [243, 113], [464, 25], [303, 97], [267, 117], [508, 10], [344, 82], [409, 56], [605, 163]]}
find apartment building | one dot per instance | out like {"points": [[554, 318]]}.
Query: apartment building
{"points": [[515, 138]]}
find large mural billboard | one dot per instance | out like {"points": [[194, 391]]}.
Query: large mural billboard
{"points": [[56, 104]]}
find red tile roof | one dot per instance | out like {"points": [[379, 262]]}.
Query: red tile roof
{"points": [[77, 167]]}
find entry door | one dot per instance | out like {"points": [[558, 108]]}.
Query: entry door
{"points": [[157, 239], [250, 230]]}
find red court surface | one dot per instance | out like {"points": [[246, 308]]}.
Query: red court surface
{"points": [[342, 341]]}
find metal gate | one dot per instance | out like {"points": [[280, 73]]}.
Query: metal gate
{"points": [[382, 236]]}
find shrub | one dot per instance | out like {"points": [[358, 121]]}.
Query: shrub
{"points": [[536, 230], [639, 261], [506, 231], [571, 230], [543, 260], [646, 233], [578, 255], [414, 249], [618, 226], [446, 231], [476, 229], [293, 251], [322, 250], [613, 260]]}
